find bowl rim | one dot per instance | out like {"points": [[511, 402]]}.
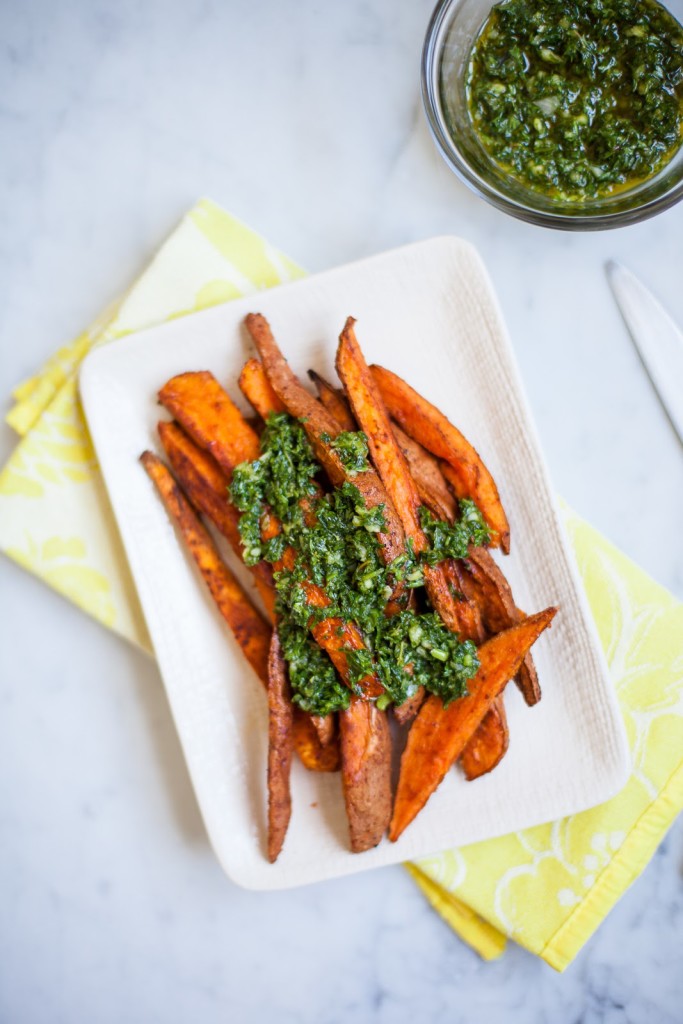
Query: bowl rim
{"points": [[430, 63]]}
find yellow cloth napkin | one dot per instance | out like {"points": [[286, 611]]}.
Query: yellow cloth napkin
{"points": [[547, 887]]}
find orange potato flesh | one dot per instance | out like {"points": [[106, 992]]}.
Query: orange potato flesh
{"points": [[315, 755], [462, 466], [489, 744], [439, 735], [256, 388], [250, 630], [469, 624], [280, 746], [208, 414]]}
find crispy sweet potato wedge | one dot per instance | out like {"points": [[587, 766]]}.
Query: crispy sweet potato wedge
{"points": [[462, 466], [256, 388], [211, 418], [491, 740], [431, 486], [499, 612], [280, 746], [439, 735], [318, 421], [206, 485], [366, 772], [249, 628], [334, 401], [390, 462], [337, 404], [470, 626], [489, 744]]}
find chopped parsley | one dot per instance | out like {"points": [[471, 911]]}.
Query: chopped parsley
{"points": [[278, 480], [316, 687], [419, 650], [446, 541], [352, 448], [577, 98], [335, 540]]}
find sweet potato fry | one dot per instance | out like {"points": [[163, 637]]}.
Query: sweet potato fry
{"points": [[256, 388], [334, 401], [489, 744], [206, 485], [313, 754], [491, 740], [317, 421], [499, 612], [211, 418], [250, 630], [439, 735], [366, 772], [462, 466], [469, 621], [280, 746], [431, 486], [337, 404], [370, 412]]}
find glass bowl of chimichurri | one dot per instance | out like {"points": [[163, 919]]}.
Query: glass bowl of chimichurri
{"points": [[565, 113]]}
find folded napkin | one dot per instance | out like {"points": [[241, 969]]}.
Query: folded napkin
{"points": [[547, 887]]}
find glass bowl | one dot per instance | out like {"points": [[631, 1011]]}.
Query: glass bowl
{"points": [[451, 33]]}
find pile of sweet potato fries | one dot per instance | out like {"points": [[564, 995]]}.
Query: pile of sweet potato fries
{"points": [[418, 458]]}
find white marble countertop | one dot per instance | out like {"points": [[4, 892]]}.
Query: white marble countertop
{"points": [[305, 121]]}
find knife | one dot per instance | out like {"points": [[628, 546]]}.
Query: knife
{"points": [[657, 338]]}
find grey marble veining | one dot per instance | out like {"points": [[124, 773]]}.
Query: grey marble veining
{"points": [[304, 120]]}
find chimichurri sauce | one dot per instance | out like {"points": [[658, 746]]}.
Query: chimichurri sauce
{"points": [[578, 99], [334, 537]]}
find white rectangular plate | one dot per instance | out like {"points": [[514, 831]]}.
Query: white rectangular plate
{"points": [[428, 312]]}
